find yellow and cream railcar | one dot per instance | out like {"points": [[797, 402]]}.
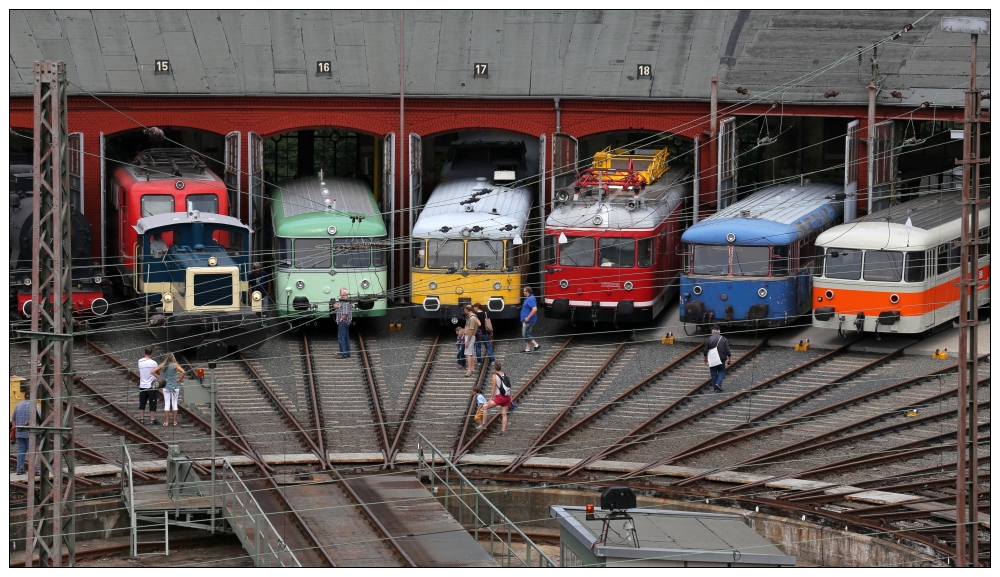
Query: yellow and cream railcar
{"points": [[897, 270], [468, 248]]}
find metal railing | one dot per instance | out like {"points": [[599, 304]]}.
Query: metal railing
{"points": [[484, 515], [251, 525], [128, 494]]}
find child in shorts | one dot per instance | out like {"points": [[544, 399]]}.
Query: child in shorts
{"points": [[460, 344], [480, 401]]}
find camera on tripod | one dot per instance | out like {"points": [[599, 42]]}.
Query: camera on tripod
{"points": [[617, 501]]}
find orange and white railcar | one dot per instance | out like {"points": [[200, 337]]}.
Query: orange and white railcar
{"points": [[897, 270]]}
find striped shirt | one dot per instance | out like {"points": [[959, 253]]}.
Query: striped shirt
{"points": [[345, 313]]}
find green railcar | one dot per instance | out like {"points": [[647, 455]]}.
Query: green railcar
{"points": [[329, 234]]}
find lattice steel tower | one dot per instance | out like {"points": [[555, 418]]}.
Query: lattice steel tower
{"points": [[51, 523]]}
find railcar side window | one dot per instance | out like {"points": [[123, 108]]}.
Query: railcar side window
{"points": [[915, 266], [448, 253], [779, 260], [351, 253], [751, 260], [883, 265], [153, 204], [646, 252], [203, 203], [711, 259], [284, 252], [312, 253], [485, 254], [843, 264], [577, 251], [984, 242], [617, 252], [949, 256]]}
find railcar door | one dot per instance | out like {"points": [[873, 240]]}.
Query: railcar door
{"points": [[387, 200], [726, 193], [881, 166], [258, 220], [104, 201], [75, 145], [416, 177], [851, 142], [232, 176]]}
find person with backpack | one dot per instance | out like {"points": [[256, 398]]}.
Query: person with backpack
{"points": [[172, 373], [484, 337], [501, 398], [717, 356]]}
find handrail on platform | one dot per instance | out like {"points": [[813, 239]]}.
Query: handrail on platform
{"points": [[127, 483], [251, 525], [479, 508]]}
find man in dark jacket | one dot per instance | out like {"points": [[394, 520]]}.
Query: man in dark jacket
{"points": [[717, 356]]}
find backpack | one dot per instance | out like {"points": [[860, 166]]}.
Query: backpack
{"points": [[505, 388]]}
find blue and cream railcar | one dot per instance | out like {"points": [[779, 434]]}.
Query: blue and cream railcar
{"points": [[897, 270], [468, 248], [196, 289], [329, 235], [751, 263]]}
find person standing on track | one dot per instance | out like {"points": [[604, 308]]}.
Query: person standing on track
{"points": [[529, 316], [717, 356], [484, 337], [501, 398], [344, 316], [173, 373], [22, 417], [146, 391], [471, 328]]}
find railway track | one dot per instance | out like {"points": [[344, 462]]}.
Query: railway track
{"points": [[634, 413]]}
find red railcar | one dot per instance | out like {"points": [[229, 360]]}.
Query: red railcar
{"points": [[610, 240], [159, 181]]}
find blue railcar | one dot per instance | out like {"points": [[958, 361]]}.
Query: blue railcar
{"points": [[192, 271], [751, 263]]}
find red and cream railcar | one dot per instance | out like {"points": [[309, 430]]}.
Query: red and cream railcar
{"points": [[897, 270], [611, 239], [159, 181]]}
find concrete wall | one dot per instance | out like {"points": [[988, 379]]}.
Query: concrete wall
{"points": [[95, 519]]}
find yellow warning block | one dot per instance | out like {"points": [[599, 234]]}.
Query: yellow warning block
{"points": [[667, 339], [941, 354], [803, 345], [395, 326]]}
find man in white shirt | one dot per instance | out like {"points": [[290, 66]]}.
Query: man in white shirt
{"points": [[146, 390], [157, 247]]}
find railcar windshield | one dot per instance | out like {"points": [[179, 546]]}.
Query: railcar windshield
{"points": [[843, 264], [485, 254], [380, 253], [153, 204], [284, 252], [448, 253], [646, 252], [550, 250], [577, 251], [915, 266], [312, 253], [751, 260], [883, 265], [203, 203], [711, 259], [779, 260], [352, 253], [617, 252], [419, 254]]}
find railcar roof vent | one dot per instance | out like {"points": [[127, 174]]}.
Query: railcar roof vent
{"points": [[744, 214]]}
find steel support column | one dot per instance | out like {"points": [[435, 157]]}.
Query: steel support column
{"points": [[50, 513], [967, 502]]}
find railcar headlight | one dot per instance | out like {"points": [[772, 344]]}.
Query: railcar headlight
{"points": [[696, 290], [496, 286], [598, 220], [829, 295], [894, 298], [97, 280], [628, 285], [27, 281], [563, 284], [300, 284], [212, 261], [459, 290], [762, 292], [167, 297], [432, 285], [730, 238], [365, 284], [256, 296], [331, 230]]}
